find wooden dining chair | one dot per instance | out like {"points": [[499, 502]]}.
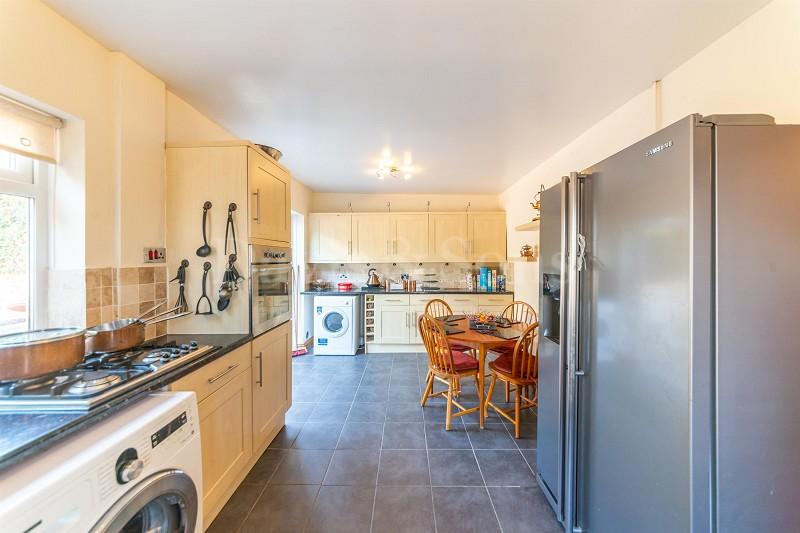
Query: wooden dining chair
{"points": [[439, 308], [447, 366], [521, 369], [520, 312]]}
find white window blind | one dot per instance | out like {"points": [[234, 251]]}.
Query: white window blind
{"points": [[27, 131]]}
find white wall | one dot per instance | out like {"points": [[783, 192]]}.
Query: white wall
{"points": [[185, 124], [754, 68]]}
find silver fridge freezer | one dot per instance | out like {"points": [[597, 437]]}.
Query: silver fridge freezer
{"points": [[669, 367]]}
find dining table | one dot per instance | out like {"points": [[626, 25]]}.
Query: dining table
{"points": [[482, 342]]}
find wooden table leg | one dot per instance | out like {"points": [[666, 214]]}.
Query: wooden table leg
{"points": [[481, 379]]}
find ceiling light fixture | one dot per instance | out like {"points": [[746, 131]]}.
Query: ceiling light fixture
{"points": [[387, 167]]}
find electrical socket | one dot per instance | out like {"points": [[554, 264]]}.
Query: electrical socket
{"points": [[154, 255], [344, 276]]}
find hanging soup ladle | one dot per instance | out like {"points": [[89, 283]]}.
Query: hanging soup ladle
{"points": [[205, 250]]}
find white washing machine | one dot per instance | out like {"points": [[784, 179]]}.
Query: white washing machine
{"points": [[336, 325], [139, 470]]}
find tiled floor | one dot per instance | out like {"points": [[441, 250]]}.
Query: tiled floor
{"points": [[348, 460]]}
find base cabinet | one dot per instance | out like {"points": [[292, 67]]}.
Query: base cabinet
{"points": [[226, 439], [272, 383]]}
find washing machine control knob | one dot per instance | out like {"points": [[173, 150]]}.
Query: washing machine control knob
{"points": [[129, 466]]}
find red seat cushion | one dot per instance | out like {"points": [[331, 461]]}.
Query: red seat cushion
{"points": [[461, 347], [462, 361], [504, 362]]}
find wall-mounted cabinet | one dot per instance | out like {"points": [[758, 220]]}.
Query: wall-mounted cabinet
{"points": [[407, 237], [330, 237], [270, 196]]}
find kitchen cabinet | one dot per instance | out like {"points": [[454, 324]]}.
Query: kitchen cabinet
{"points": [[409, 234], [272, 383], [486, 237], [448, 237], [494, 304], [270, 194], [373, 240], [462, 304], [224, 405], [331, 238], [391, 319]]}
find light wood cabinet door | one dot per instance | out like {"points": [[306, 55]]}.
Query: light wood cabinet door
{"points": [[409, 235], [413, 332], [448, 237], [226, 440], [272, 378], [487, 237], [372, 239], [461, 304], [391, 324], [270, 197], [330, 237]]}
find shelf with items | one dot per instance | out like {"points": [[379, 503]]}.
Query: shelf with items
{"points": [[369, 318], [528, 226]]}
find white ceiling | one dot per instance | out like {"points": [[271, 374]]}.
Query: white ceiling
{"points": [[479, 91]]}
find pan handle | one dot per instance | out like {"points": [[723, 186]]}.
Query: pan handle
{"points": [[151, 310], [164, 319], [168, 311]]}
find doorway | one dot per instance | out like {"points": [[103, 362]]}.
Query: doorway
{"points": [[298, 268]]}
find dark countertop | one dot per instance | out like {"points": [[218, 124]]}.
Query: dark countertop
{"points": [[24, 434], [359, 291]]}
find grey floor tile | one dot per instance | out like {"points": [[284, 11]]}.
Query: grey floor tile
{"points": [[530, 456], [404, 412], [491, 437], [464, 509], [318, 436], [330, 412], [339, 393], [345, 380], [374, 380], [265, 467], [367, 412], [405, 393], [410, 379], [527, 438], [353, 467], [344, 509], [282, 508], [372, 393], [236, 510], [439, 439], [404, 436], [523, 510], [505, 468], [302, 467], [361, 436], [299, 411], [454, 467], [308, 393], [286, 435], [404, 467], [403, 510]]}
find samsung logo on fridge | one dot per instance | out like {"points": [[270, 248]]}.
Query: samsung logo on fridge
{"points": [[660, 148]]}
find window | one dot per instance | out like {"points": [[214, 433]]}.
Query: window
{"points": [[23, 238]]}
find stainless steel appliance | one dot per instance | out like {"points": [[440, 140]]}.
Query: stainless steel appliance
{"points": [[271, 283], [668, 357], [97, 379]]}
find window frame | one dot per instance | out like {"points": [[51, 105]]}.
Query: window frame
{"points": [[42, 174]]}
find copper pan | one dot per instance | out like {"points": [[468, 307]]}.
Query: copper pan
{"points": [[41, 351], [125, 333]]}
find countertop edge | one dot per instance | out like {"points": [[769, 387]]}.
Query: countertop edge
{"points": [[60, 433]]}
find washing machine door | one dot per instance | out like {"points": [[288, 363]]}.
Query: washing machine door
{"points": [[165, 502], [335, 323]]}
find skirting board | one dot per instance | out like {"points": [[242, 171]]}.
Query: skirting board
{"points": [[371, 347]]}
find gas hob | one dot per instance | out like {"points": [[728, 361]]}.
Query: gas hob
{"points": [[99, 378]]}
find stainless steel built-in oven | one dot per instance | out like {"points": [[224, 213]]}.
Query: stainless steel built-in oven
{"points": [[270, 287]]}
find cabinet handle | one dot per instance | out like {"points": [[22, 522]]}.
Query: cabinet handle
{"points": [[260, 381], [349, 247], [257, 194], [387, 247], [221, 374], [395, 246]]}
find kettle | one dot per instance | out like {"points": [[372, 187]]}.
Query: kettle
{"points": [[373, 280]]}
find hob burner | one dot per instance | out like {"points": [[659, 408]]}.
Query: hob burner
{"points": [[93, 381]]}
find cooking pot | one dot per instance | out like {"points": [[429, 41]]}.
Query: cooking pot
{"points": [[125, 333], [41, 351]]}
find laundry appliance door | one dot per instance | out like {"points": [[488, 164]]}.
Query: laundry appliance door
{"points": [[335, 323], [165, 502]]}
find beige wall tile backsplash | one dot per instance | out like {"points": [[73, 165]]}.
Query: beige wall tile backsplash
{"points": [[114, 293]]}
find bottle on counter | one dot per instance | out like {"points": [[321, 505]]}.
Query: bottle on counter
{"points": [[501, 283]]}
